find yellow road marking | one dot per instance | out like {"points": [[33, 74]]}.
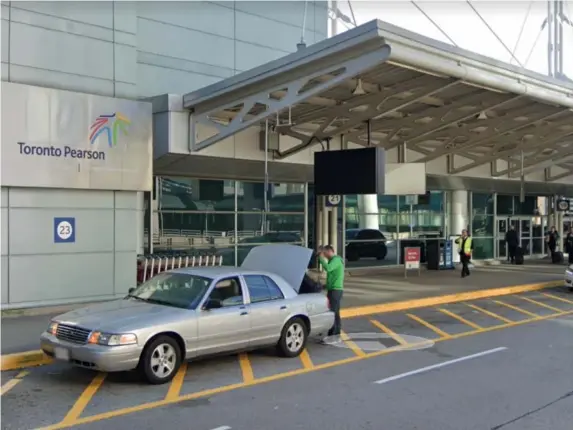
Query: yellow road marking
{"points": [[37, 358], [12, 382], [74, 414], [177, 382], [280, 376], [558, 298], [544, 305], [430, 326], [515, 308], [389, 332], [346, 339], [441, 300], [461, 319], [490, 313], [305, 359], [24, 359], [246, 368]]}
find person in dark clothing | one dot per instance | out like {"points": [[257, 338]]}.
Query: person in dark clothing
{"points": [[512, 240], [569, 244], [465, 247], [551, 239]]}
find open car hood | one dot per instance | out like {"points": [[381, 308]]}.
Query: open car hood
{"points": [[288, 261]]}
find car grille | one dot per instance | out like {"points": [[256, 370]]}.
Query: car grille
{"points": [[72, 334]]}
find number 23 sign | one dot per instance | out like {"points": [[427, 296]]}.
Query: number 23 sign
{"points": [[64, 230]]}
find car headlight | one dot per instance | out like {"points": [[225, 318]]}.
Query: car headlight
{"points": [[111, 339], [52, 328]]}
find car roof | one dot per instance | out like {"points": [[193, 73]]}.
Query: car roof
{"points": [[213, 272]]}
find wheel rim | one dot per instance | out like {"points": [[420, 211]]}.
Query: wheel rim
{"points": [[163, 360], [295, 337]]}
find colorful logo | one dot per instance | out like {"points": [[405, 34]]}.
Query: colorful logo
{"points": [[111, 125]]}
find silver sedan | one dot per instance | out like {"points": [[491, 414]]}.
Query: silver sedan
{"points": [[195, 312]]}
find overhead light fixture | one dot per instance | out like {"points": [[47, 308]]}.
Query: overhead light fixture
{"points": [[359, 90]]}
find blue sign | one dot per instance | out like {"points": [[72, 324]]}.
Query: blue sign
{"points": [[64, 230]]}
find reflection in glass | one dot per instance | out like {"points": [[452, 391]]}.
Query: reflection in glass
{"points": [[281, 197], [483, 226], [483, 248], [179, 193]]}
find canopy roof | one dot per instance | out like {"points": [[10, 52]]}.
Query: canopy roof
{"points": [[400, 88]]}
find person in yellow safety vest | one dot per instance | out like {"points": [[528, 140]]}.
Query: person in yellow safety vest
{"points": [[464, 243]]}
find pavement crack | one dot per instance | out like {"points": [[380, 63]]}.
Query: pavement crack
{"points": [[563, 397]]}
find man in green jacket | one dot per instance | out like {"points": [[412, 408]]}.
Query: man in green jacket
{"points": [[334, 268]]}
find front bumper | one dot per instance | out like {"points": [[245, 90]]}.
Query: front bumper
{"points": [[569, 278], [96, 357]]}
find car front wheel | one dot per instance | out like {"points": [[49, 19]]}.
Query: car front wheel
{"points": [[160, 360], [293, 338]]}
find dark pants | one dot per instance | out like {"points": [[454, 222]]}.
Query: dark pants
{"points": [[511, 251], [335, 298], [570, 252], [465, 261], [552, 247]]}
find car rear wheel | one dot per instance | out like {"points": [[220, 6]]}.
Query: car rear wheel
{"points": [[293, 338], [160, 360]]}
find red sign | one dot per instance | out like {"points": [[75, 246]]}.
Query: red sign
{"points": [[412, 258]]}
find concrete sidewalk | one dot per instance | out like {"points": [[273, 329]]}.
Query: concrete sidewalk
{"points": [[363, 288]]}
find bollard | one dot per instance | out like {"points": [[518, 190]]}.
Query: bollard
{"points": [[186, 264], [172, 262], [220, 260], [193, 262], [180, 261], [200, 260], [160, 260], [214, 260], [145, 270]]}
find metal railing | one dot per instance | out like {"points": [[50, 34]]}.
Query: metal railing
{"points": [[149, 266]]}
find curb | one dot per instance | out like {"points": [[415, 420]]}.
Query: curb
{"points": [[22, 360], [38, 358], [440, 300]]}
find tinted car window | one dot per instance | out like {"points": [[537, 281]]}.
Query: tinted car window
{"points": [[372, 235], [258, 288], [274, 290]]}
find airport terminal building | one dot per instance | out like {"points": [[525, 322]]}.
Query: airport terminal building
{"points": [[132, 128]]}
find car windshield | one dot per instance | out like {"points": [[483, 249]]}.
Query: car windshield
{"points": [[180, 290]]}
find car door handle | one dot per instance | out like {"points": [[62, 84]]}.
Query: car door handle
{"points": [[244, 313], [283, 307]]}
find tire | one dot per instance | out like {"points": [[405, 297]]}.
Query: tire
{"points": [[293, 338], [157, 374], [382, 253], [352, 255]]}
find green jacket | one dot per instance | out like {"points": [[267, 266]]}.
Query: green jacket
{"points": [[334, 272]]}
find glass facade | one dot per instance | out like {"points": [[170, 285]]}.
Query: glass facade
{"points": [[227, 218]]}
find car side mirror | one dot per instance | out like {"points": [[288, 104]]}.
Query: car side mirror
{"points": [[212, 304], [131, 290]]}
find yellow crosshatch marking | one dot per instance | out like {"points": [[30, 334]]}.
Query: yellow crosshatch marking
{"points": [[515, 308], [461, 319], [77, 416], [490, 313], [432, 327], [543, 305]]}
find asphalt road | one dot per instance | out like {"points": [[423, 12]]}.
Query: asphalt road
{"points": [[527, 386], [488, 364]]}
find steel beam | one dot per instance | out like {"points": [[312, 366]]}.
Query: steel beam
{"points": [[295, 93]]}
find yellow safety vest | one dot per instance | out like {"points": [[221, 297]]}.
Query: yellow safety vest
{"points": [[467, 246]]}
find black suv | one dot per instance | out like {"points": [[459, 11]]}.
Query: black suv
{"points": [[374, 245]]}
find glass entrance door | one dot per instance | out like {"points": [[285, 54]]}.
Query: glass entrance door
{"points": [[501, 229], [524, 232], [523, 227]]}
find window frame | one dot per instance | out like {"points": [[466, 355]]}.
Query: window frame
{"points": [[265, 279]]}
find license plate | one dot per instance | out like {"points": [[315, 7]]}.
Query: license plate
{"points": [[62, 354]]}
